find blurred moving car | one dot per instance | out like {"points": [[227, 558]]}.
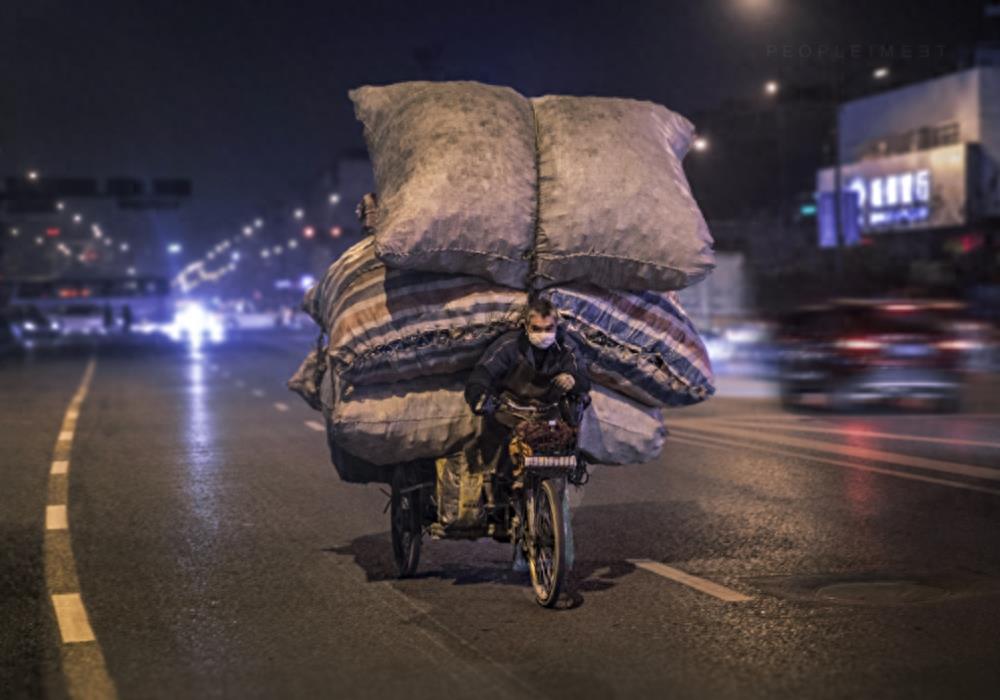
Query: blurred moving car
{"points": [[31, 328], [853, 353], [83, 320], [196, 325], [720, 349]]}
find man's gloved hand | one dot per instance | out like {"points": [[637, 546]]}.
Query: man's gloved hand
{"points": [[474, 394], [564, 382]]}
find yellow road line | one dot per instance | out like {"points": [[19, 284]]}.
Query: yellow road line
{"points": [[74, 626], [84, 668], [55, 518]]}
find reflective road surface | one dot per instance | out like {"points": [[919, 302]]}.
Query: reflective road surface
{"points": [[172, 527]]}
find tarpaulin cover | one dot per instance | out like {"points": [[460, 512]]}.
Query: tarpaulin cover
{"points": [[455, 171], [615, 208], [641, 344], [389, 325]]}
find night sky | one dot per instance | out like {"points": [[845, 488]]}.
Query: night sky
{"points": [[249, 99]]}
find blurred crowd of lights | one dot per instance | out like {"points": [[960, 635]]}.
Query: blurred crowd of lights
{"points": [[197, 272]]}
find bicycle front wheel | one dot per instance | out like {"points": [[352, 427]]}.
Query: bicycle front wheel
{"points": [[547, 541]]}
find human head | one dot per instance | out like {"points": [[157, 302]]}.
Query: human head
{"points": [[540, 322]]}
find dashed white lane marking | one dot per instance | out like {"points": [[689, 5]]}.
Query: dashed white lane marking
{"points": [[841, 450], [259, 393], [74, 626], [696, 582], [55, 518], [281, 406], [720, 444], [59, 466], [315, 425]]}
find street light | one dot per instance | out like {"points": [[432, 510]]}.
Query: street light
{"points": [[39, 240], [293, 244], [308, 232], [881, 73], [700, 144], [130, 272], [60, 206], [15, 233], [336, 231], [771, 87], [334, 198], [298, 213], [174, 248], [247, 231], [77, 218], [123, 247], [33, 175], [258, 223]]}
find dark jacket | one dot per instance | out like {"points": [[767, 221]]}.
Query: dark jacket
{"points": [[511, 363]]}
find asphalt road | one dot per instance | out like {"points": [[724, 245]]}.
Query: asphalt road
{"points": [[217, 554]]}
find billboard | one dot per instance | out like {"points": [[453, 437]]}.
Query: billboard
{"points": [[910, 191]]}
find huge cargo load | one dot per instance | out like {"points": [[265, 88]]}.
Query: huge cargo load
{"points": [[484, 195]]}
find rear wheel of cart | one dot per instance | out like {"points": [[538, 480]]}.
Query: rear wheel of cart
{"points": [[405, 509], [547, 541]]}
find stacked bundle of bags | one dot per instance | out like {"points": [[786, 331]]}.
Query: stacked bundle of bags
{"points": [[485, 197]]}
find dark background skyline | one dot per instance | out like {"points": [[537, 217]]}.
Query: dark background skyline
{"points": [[250, 99]]}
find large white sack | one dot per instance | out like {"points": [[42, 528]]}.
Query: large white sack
{"points": [[455, 172], [615, 208], [617, 430], [388, 423]]}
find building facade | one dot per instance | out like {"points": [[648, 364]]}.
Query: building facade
{"points": [[919, 165]]}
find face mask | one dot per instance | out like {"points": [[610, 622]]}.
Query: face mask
{"points": [[542, 340]]}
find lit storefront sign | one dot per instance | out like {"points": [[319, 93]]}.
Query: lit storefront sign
{"points": [[900, 198], [910, 191]]}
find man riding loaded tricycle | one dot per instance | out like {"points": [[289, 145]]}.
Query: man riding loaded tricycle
{"points": [[530, 388]]}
